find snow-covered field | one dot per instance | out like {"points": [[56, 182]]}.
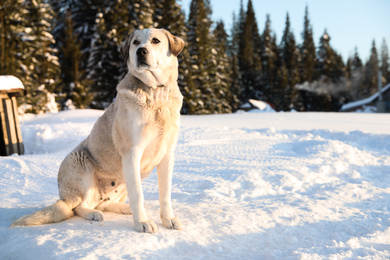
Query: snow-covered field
{"points": [[246, 186]]}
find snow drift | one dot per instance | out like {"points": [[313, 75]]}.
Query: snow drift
{"points": [[246, 186]]}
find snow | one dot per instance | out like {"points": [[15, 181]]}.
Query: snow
{"points": [[8, 82], [246, 186], [51, 105]]}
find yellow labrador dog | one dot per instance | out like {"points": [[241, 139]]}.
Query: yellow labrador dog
{"points": [[137, 133]]}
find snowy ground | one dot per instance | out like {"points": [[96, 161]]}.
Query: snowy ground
{"points": [[246, 186]]}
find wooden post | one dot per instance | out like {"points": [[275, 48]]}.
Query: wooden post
{"points": [[11, 137]]}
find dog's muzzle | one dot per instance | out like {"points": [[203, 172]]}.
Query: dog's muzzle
{"points": [[142, 53]]}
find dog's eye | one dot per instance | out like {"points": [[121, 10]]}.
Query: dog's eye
{"points": [[155, 40], [135, 42]]}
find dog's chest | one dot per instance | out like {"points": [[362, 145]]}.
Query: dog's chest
{"points": [[148, 120], [162, 130], [162, 112]]}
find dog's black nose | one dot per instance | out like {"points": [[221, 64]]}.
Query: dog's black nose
{"points": [[142, 52]]}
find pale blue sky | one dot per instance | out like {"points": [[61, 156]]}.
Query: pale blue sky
{"points": [[349, 23]]}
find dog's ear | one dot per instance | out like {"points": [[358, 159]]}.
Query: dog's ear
{"points": [[176, 44], [125, 47]]}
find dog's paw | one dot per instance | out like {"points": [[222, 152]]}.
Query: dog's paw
{"points": [[172, 223], [95, 215], [145, 227]]}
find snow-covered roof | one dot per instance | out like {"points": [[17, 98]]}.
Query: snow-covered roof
{"points": [[365, 101], [261, 105], [9, 83], [257, 106]]}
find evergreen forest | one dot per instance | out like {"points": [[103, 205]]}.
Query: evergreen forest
{"points": [[68, 50]]}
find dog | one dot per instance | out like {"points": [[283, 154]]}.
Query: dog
{"points": [[136, 133]]}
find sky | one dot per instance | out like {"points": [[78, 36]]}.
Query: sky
{"points": [[349, 23]]}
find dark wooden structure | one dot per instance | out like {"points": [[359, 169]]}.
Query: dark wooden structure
{"points": [[10, 135]]}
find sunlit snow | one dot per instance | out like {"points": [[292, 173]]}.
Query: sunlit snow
{"points": [[246, 186]]}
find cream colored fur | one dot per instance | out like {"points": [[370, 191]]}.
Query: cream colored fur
{"points": [[137, 133]]}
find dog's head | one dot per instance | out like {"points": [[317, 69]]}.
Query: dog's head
{"points": [[151, 56]]}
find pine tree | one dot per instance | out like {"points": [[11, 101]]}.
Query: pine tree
{"points": [[325, 57], [233, 38], [158, 11], [303, 100], [282, 94], [83, 17], [370, 82], [385, 67], [269, 60], [235, 84], [355, 62], [74, 84], [26, 50], [225, 86], [113, 25], [355, 71], [249, 57], [103, 64], [308, 52], [41, 73], [121, 17], [232, 51], [330, 65], [201, 95], [144, 11], [11, 32], [240, 38], [96, 41], [73, 31], [289, 54], [248, 49], [235, 51], [167, 14]]}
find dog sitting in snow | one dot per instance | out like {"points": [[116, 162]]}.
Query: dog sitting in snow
{"points": [[137, 133]]}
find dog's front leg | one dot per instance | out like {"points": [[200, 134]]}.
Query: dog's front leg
{"points": [[164, 172], [131, 170]]}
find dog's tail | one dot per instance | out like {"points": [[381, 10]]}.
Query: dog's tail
{"points": [[57, 212]]}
